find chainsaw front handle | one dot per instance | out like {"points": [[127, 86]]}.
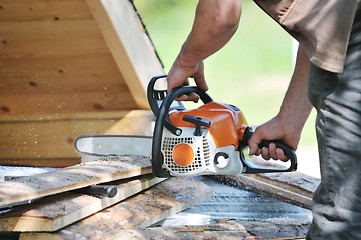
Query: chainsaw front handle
{"points": [[162, 121], [289, 152], [157, 97]]}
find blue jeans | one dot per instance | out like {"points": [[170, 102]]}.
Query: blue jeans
{"points": [[337, 97]]}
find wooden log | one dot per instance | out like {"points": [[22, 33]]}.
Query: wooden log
{"points": [[52, 213], [151, 206], [26, 189]]}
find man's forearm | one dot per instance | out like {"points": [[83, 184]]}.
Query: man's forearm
{"points": [[296, 104], [215, 23], [287, 125]]}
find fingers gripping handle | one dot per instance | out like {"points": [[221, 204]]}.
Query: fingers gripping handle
{"points": [[289, 152]]}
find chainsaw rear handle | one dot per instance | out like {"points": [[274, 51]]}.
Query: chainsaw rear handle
{"points": [[162, 118], [289, 152]]}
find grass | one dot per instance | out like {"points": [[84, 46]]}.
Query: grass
{"points": [[252, 71]]}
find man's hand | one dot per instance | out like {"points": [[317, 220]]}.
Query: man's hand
{"points": [[214, 25], [178, 76], [274, 129]]}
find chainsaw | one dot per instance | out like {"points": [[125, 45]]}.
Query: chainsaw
{"points": [[208, 140]]}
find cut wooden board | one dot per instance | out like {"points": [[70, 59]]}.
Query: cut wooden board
{"points": [[151, 206], [225, 229], [52, 213], [292, 187], [249, 182], [79, 176]]}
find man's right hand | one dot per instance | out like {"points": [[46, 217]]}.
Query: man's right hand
{"points": [[274, 130]]}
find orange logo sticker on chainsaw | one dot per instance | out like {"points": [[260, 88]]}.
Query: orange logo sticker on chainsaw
{"points": [[183, 154]]}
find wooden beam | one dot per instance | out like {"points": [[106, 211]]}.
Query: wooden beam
{"points": [[129, 44], [55, 212], [165, 199], [26, 189]]}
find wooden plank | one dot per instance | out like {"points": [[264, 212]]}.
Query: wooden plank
{"points": [[41, 162], [135, 56], [31, 10], [84, 83], [68, 35], [62, 116], [55, 212], [47, 137], [79, 176], [256, 185], [293, 187], [151, 206], [225, 229]]}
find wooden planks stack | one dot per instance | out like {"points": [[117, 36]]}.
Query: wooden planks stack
{"points": [[57, 215], [68, 68]]}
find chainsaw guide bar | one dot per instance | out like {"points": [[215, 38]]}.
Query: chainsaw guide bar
{"points": [[104, 145]]}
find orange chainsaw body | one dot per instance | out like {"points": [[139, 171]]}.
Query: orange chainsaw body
{"points": [[209, 140], [227, 122]]}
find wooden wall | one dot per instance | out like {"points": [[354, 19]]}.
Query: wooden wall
{"points": [[67, 68]]}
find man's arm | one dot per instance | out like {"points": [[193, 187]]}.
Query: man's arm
{"points": [[287, 125], [215, 23]]}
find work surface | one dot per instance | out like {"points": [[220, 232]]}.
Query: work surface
{"points": [[230, 207]]}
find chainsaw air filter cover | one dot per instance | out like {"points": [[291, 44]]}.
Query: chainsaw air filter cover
{"points": [[189, 155]]}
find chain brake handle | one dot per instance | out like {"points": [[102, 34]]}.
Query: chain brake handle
{"points": [[250, 168]]}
